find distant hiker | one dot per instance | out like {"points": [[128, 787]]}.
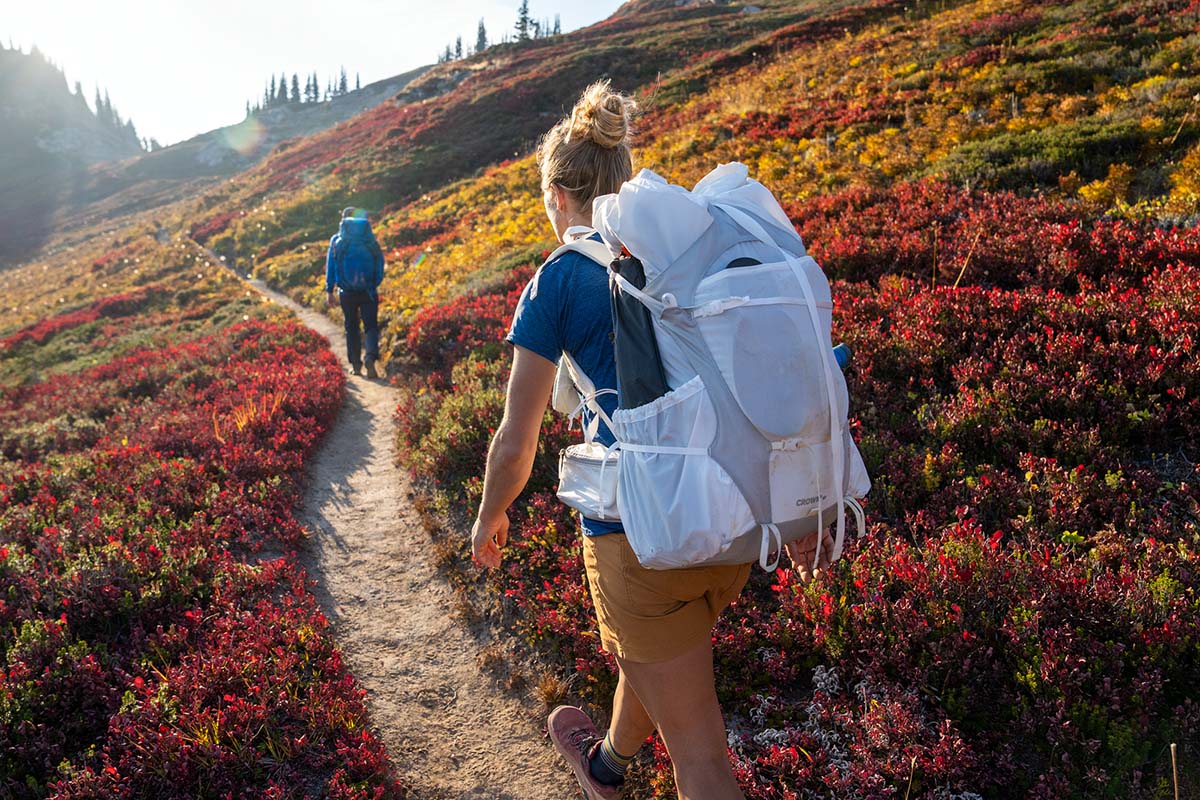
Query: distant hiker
{"points": [[657, 623], [354, 270]]}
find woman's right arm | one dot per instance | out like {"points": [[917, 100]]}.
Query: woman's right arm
{"points": [[510, 456]]}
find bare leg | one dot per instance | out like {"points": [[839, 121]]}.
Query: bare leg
{"points": [[680, 697], [631, 725]]}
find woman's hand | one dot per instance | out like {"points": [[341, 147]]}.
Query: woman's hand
{"points": [[803, 552], [487, 537]]}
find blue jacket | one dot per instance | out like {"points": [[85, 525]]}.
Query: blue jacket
{"points": [[352, 228]]}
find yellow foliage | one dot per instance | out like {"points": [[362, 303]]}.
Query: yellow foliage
{"points": [[1184, 198], [1153, 124], [1070, 107], [1111, 191]]}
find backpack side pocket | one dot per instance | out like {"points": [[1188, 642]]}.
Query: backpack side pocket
{"points": [[678, 505]]}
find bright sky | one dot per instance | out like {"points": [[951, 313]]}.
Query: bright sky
{"points": [[182, 67]]}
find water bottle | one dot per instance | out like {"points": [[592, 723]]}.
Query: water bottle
{"points": [[843, 354]]}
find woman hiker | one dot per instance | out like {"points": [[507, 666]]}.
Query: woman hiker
{"points": [[657, 623]]}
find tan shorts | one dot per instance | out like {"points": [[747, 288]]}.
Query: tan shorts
{"points": [[652, 615]]}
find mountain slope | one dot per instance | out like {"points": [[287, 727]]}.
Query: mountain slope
{"points": [[48, 137], [499, 103], [226, 151], [65, 171], [816, 98]]}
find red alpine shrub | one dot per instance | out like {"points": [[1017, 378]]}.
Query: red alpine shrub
{"points": [[1018, 622], [146, 651]]}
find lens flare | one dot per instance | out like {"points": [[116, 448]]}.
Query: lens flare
{"points": [[245, 136]]}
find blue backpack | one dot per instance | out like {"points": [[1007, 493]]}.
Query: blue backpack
{"points": [[357, 257]]}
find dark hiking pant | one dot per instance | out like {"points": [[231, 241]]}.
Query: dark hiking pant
{"points": [[361, 307]]}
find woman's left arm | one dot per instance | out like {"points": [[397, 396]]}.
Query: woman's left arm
{"points": [[510, 456]]}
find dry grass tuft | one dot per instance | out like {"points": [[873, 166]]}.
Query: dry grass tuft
{"points": [[551, 690]]}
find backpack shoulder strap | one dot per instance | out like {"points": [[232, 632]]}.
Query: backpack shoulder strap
{"points": [[573, 389], [594, 251], [590, 248]]}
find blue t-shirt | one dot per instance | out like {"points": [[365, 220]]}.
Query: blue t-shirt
{"points": [[565, 306]]}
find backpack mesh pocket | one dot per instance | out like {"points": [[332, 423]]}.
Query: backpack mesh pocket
{"points": [[695, 509]]}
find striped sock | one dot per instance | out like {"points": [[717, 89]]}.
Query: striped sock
{"points": [[607, 765]]}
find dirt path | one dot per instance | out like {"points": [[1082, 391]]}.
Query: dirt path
{"points": [[451, 731]]}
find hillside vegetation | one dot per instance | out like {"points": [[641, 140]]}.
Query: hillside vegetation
{"points": [[157, 637], [1089, 104], [1005, 195]]}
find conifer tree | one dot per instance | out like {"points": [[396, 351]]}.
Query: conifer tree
{"points": [[342, 87], [247, 108], [269, 100], [481, 42], [557, 24], [99, 105], [357, 82], [458, 54], [524, 23], [295, 98], [282, 97]]}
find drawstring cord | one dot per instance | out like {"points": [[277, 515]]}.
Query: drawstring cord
{"points": [[770, 535]]}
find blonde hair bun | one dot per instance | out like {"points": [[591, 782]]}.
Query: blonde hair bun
{"points": [[602, 115], [588, 153]]}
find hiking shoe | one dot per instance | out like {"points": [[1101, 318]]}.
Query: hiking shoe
{"points": [[371, 373], [576, 739], [356, 369]]}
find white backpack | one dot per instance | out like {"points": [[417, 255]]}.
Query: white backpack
{"points": [[749, 448]]}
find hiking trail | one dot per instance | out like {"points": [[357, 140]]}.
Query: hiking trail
{"points": [[452, 731]]}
